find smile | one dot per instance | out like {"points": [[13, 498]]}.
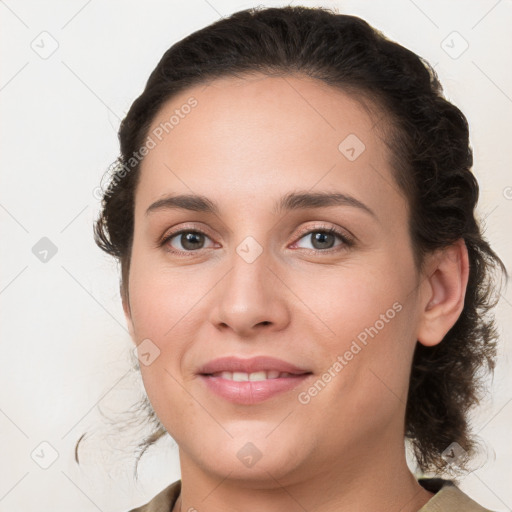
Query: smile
{"points": [[254, 376], [243, 388]]}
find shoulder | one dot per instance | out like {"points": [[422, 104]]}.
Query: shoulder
{"points": [[448, 497], [163, 501]]}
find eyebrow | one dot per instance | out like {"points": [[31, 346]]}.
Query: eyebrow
{"points": [[289, 202]]}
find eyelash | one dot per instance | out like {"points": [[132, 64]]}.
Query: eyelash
{"points": [[347, 241]]}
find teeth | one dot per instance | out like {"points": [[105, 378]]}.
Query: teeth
{"points": [[258, 376], [255, 376], [240, 376]]}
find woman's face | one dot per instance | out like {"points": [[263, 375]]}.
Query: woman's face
{"points": [[255, 273]]}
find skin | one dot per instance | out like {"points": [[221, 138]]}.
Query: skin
{"points": [[248, 142]]}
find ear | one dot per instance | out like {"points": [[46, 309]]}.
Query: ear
{"points": [[443, 293], [127, 312]]}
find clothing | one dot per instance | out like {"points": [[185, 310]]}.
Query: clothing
{"points": [[447, 498]]}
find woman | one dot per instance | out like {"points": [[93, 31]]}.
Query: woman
{"points": [[302, 271]]}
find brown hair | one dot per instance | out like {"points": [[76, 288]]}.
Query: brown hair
{"points": [[432, 160]]}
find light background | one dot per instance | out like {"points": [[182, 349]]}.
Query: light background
{"points": [[65, 348]]}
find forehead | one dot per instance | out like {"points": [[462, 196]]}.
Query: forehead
{"points": [[247, 136], [234, 108]]}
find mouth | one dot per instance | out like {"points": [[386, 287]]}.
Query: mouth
{"points": [[259, 368], [252, 377], [251, 381]]}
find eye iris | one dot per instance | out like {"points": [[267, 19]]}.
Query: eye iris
{"points": [[191, 238], [320, 237]]}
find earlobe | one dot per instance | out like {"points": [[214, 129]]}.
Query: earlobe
{"points": [[443, 293]]}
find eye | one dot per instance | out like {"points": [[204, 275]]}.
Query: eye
{"points": [[186, 240], [324, 238]]}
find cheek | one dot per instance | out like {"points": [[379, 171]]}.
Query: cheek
{"points": [[163, 314], [167, 308], [160, 298], [364, 320], [348, 301]]}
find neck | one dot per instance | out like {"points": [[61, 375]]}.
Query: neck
{"points": [[360, 483]]}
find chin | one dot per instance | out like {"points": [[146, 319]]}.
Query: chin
{"points": [[258, 461]]}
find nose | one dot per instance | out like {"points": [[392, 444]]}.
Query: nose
{"points": [[251, 299]]}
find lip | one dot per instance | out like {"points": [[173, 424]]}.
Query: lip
{"points": [[253, 364], [251, 392]]}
